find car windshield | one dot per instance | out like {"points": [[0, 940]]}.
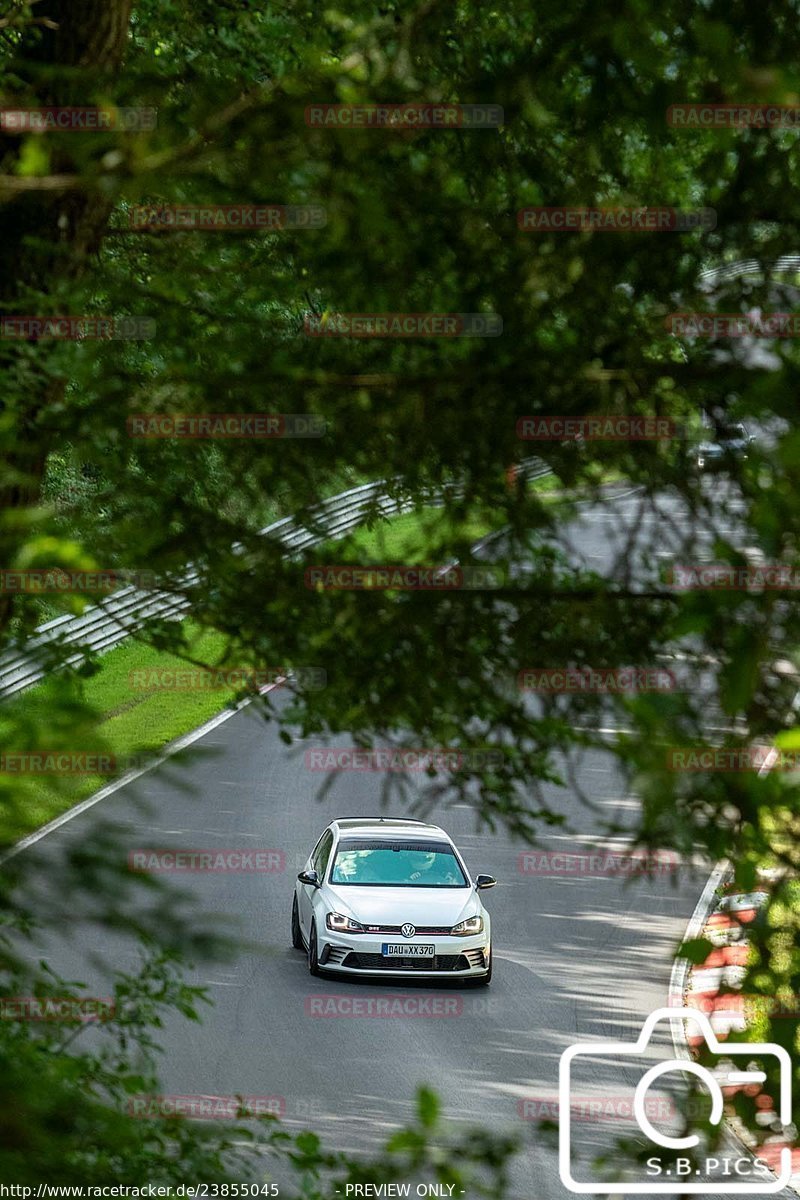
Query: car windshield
{"points": [[732, 433], [372, 862]]}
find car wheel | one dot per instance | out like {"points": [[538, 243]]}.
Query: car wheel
{"points": [[297, 936], [313, 961]]}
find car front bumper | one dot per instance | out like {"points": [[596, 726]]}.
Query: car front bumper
{"points": [[361, 954], [719, 462]]}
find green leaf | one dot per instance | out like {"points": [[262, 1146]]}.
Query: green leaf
{"points": [[696, 950], [428, 1107]]}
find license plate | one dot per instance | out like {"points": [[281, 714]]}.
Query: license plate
{"points": [[392, 950]]}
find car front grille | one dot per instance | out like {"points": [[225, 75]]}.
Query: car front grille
{"points": [[378, 962], [421, 930]]}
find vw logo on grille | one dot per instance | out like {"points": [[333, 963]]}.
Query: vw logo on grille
{"points": [[407, 930]]}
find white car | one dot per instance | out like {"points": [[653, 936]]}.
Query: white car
{"points": [[391, 897]]}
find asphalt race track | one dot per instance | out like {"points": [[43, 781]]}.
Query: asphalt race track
{"points": [[576, 956]]}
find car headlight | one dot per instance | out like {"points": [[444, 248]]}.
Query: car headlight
{"points": [[341, 924], [465, 928]]}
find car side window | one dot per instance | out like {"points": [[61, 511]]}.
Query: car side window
{"points": [[319, 860], [315, 852]]}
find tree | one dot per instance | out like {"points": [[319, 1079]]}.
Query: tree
{"points": [[421, 222]]}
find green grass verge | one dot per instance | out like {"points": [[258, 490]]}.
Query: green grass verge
{"points": [[128, 719], [409, 537]]}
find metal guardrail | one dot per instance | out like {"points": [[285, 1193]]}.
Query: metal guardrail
{"points": [[788, 264], [102, 626]]}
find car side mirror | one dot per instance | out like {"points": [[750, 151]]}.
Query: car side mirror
{"points": [[309, 877], [484, 881]]}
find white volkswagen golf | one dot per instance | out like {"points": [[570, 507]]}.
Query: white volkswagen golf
{"points": [[391, 896]]}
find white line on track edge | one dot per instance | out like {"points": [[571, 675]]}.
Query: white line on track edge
{"points": [[180, 743]]}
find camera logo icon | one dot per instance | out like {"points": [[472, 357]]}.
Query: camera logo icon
{"points": [[751, 1180]]}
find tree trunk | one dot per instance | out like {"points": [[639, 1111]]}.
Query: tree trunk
{"points": [[49, 238]]}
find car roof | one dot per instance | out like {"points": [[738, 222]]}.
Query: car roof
{"points": [[387, 827]]}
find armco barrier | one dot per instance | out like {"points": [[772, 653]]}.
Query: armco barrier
{"points": [[789, 264], [104, 625]]}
